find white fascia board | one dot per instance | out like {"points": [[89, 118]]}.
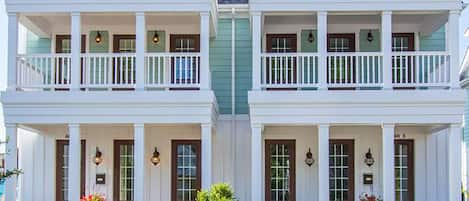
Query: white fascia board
{"points": [[109, 107], [357, 107]]}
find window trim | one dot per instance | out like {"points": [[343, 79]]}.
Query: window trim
{"points": [[292, 186], [198, 149], [59, 163], [350, 36], [410, 36], [410, 166], [117, 37], [294, 37], [351, 169], [116, 168]]}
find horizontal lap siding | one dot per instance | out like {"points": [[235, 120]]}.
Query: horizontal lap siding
{"points": [[243, 65], [36, 45], [434, 42]]}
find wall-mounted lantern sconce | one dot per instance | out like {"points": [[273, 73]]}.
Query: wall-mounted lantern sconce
{"points": [[370, 37], [310, 37], [309, 158], [98, 157], [98, 37], [156, 38], [369, 160], [155, 159]]}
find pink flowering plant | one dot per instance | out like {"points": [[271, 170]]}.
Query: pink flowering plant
{"points": [[93, 197], [370, 197]]}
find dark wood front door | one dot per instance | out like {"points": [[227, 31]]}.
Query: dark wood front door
{"points": [[404, 69], [283, 68], [63, 45], [404, 169], [184, 69], [123, 184], [186, 170], [61, 169], [341, 69], [280, 170], [124, 66], [341, 170]]}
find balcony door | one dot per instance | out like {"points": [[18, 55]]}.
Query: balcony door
{"points": [[280, 170], [404, 169], [403, 68], [124, 65], [281, 69], [62, 66], [341, 170], [61, 170], [186, 170], [185, 70], [341, 68], [123, 170]]}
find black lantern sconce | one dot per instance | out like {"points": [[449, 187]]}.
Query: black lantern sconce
{"points": [[370, 37], [98, 38], [310, 37], [309, 158], [369, 160], [98, 157], [156, 38], [155, 159]]}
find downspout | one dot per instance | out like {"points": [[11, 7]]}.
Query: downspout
{"points": [[233, 93]]}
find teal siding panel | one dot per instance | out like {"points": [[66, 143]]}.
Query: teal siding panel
{"points": [[103, 46], [156, 47], [374, 45], [243, 65], [307, 46], [36, 45], [433, 42]]}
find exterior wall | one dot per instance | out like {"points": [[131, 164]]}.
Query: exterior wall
{"points": [[434, 42], [37, 45]]}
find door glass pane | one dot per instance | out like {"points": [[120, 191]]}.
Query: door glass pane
{"points": [[402, 171], [340, 179], [186, 169], [282, 68], [66, 46], [400, 43], [185, 66], [126, 45], [280, 172], [64, 169], [126, 171]]}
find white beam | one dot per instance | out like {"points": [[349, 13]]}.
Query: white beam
{"points": [[256, 49], [323, 162], [140, 51], [205, 82], [74, 162], [206, 135], [453, 45], [386, 48], [454, 162], [388, 161], [139, 161], [322, 48], [11, 160], [256, 162], [75, 51], [12, 50]]}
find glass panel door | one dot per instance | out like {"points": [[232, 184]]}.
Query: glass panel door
{"points": [[402, 65], [61, 173], [280, 170], [123, 170], [184, 69], [124, 65], [341, 68], [283, 68], [341, 170], [186, 172], [404, 170]]}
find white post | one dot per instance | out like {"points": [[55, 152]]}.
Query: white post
{"points": [[206, 135], [11, 160], [139, 161], [74, 162], [256, 162], [454, 162], [12, 50], [388, 161], [256, 49], [453, 45], [323, 162], [386, 48], [75, 52], [322, 49], [204, 51], [140, 51]]}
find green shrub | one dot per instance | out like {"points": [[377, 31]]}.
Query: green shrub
{"points": [[218, 192]]}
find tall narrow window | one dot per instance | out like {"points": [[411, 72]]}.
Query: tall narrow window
{"points": [[280, 170], [404, 170], [123, 170], [61, 170], [186, 170], [341, 170]]}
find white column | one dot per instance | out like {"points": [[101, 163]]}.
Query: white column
{"points": [[75, 51], [323, 162], [453, 45], [11, 160], [388, 161], [322, 49], [386, 48], [12, 50], [256, 49], [256, 162], [74, 162], [140, 51], [204, 51], [206, 135], [454, 162], [139, 162]]}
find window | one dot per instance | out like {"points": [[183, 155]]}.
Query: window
{"points": [[341, 170], [280, 170], [123, 170], [184, 69], [61, 170], [404, 170], [186, 170], [283, 68], [341, 68]]}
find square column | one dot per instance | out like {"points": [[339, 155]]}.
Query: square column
{"points": [[256, 162], [388, 161], [323, 161], [139, 162], [256, 29], [454, 162], [205, 83], [386, 48], [12, 50], [322, 49], [140, 51], [11, 160], [74, 162], [75, 71], [206, 135], [453, 45]]}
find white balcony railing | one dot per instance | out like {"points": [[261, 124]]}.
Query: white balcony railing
{"points": [[354, 69], [108, 70], [43, 71], [173, 70]]}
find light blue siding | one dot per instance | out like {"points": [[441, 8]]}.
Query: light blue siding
{"points": [[37, 45], [243, 65], [433, 42]]}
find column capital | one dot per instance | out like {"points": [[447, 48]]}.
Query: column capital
{"points": [[139, 125], [257, 125], [74, 14], [386, 12], [388, 125], [324, 125], [139, 13], [10, 125], [255, 13], [322, 13], [204, 13], [73, 125], [12, 14], [454, 12], [455, 125]]}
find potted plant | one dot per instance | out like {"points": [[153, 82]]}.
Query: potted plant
{"points": [[370, 197], [218, 192], [93, 197]]}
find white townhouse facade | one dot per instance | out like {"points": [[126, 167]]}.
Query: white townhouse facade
{"points": [[286, 100]]}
